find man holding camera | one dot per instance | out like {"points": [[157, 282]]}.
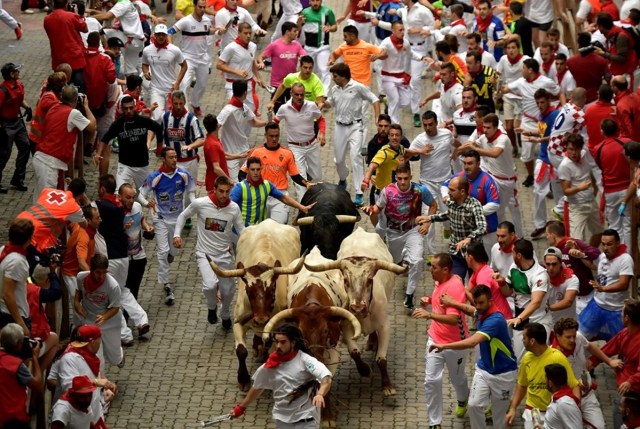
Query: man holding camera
{"points": [[15, 376]]}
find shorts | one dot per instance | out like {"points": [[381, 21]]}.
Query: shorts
{"points": [[543, 27], [512, 108], [595, 321]]}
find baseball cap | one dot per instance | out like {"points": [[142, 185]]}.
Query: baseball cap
{"points": [[9, 67], [553, 251], [161, 28], [115, 42], [82, 385], [86, 334]]}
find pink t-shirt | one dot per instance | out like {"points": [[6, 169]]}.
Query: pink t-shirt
{"points": [[442, 333], [284, 59], [484, 277]]}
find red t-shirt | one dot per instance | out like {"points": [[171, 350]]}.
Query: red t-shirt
{"points": [[63, 29], [628, 105], [609, 156], [588, 72], [213, 152], [10, 103], [594, 114], [98, 74], [484, 276], [628, 345]]}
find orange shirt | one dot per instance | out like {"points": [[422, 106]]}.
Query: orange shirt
{"points": [[358, 58], [79, 246], [275, 165]]}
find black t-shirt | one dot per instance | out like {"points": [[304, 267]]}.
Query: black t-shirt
{"points": [[132, 139], [524, 30], [112, 229]]}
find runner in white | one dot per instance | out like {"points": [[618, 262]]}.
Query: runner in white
{"points": [[449, 92], [563, 286], [563, 76], [229, 18]]}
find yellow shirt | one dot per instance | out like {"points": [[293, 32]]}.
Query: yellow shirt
{"points": [[532, 376], [185, 6], [387, 160]]}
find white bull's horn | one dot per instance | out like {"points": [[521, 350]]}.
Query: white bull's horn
{"points": [[333, 265], [274, 321], [238, 272], [347, 315], [307, 220], [390, 266], [290, 270], [347, 218]]}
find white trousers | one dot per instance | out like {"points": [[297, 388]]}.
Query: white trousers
{"points": [[434, 188], [584, 220], [119, 269], [417, 68], [132, 58], [489, 388], [277, 32], [622, 224], [110, 348], [211, 284], [164, 247], [529, 150], [541, 186], [234, 166], [455, 361], [349, 137], [162, 98], [46, 177], [277, 210], [409, 247], [508, 194], [192, 168], [398, 95], [555, 160], [308, 162], [134, 176], [591, 410], [320, 67], [7, 19], [199, 72]]}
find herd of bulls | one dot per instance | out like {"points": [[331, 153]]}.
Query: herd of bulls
{"points": [[340, 286]]}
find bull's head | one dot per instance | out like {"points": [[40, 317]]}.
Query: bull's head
{"points": [[358, 273], [326, 231], [260, 285]]}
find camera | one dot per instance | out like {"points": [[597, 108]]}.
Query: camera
{"points": [[28, 345], [72, 7], [51, 255]]}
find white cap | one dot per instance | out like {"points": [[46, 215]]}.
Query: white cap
{"points": [[161, 28]]}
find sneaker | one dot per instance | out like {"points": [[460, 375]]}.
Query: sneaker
{"points": [[212, 316], [3, 190], [550, 195], [170, 258], [188, 224], [197, 111], [537, 233], [408, 301], [143, 329], [127, 343], [557, 215], [461, 409], [528, 182], [416, 120], [446, 233], [359, 200], [169, 298], [18, 31], [121, 364], [226, 324], [435, 427], [19, 186], [29, 12], [342, 184]]}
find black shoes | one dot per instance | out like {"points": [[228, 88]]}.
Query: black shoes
{"points": [[226, 324], [212, 316], [3, 190], [408, 301], [528, 182], [19, 186]]}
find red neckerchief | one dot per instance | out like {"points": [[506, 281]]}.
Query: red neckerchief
{"points": [[398, 43], [275, 359], [560, 244], [509, 248], [483, 23], [298, 107], [458, 21], [470, 109], [566, 391], [256, 183], [546, 112], [91, 232], [490, 311], [235, 101], [561, 75], [12, 248], [112, 198], [515, 60], [621, 95], [214, 200], [180, 113], [622, 249], [448, 86], [556, 345], [546, 66], [166, 170], [66, 397], [633, 423], [497, 134], [564, 274], [536, 76], [158, 45], [241, 43], [91, 359], [480, 130], [90, 284], [235, 9], [132, 94]]}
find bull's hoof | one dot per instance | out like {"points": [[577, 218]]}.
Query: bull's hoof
{"points": [[329, 423], [389, 391]]}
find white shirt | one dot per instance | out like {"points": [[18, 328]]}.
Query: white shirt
{"points": [[563, 413], [578, 359], [237, 57], [194, 38], [557, 294], [106, 296], [162, 63], [15, 267], [299, 122], [397, 61], [537, 280], [233, 124], [215, 225], [502, 167], [576, 173], [134, 232], [347, 100], [129, 19], [460, 30], [92, 25], [418, 17], [291, 7], [568, 83], [450, 99], [435, 167], [527, 90], [510, 73], [626, 7], [562, 49], [71, 417], [539, 11], [609, 272], [224, 18], [501, 261]]}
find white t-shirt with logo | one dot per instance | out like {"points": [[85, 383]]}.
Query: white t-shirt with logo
{"points": [[163, 64], [609, 272], [557, 294], [237, 57], [194, 40]]}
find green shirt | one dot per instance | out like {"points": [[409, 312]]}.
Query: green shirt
{"points": [[312, 27], [312, 87]]}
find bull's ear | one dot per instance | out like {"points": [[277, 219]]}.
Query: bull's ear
{"points": [[240, 265], [277, 264]]}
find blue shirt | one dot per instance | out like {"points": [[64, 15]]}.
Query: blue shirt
{"points": [[496, 354], [484, 189], [545, 126], [169, 191], [253, 200]]}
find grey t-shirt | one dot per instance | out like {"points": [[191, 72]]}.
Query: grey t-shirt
{"points": [[15, 267]]}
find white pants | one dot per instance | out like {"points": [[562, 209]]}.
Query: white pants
{"points": [[162, 98], [622, 224], [528, 419], [211, 284], [541, 185], [119, 269], [455, 361], [365, 31], [555, 160], [434, 188], [508, 194], [46, 177], [164, 247], [529, 150], [584, 220], [398, 95], [199, 72], [417, 68], [7, 19], [234, 168], [111, 347], [277, 33], [71, 282], [192, 168], [488, 388], [349, 137], [134, 176], [277, 210], [308, 162], [132, 59], [591, 410], [313, 424], [320, 67], [409, 247]]}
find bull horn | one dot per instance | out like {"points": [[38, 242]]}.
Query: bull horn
{"points": [[293, 270], [273, 322], [390, 266], [307, 220], [347, 219], [333, 265], [238, 272], [347, 315]]}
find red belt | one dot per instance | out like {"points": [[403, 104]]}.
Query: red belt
{"points": [[303, 144], [495, 176], [399, 75], [191, 158]]}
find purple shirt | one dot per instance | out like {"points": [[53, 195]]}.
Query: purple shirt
{"points": [[584, 274], [284, 59]]}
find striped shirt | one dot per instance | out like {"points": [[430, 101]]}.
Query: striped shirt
{"points": [[181, 131], [467, 220], [253, 200]]}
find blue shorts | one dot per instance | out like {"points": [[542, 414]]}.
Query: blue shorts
{"points": [[596, 322]]}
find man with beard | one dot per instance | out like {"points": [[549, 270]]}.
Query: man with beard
{"points": [[564, 409]]}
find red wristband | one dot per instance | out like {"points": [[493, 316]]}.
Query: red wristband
{"points": [[238, 410]]}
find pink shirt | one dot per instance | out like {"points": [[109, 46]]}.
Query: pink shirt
{"points": [[284, 59], [442, 333], [483, 276]]}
